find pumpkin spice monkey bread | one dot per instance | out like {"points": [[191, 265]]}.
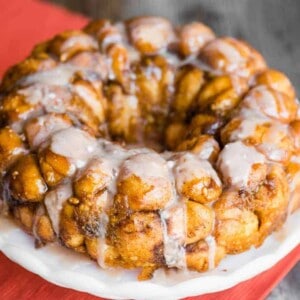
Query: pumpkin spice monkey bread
{"points": [[145, 145]]}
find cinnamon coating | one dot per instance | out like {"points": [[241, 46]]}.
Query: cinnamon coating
{"points": [[245, 219], [237, 226], [138, 240], [69, 230], [147, 146]]}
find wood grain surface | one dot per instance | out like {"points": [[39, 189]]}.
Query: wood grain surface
{"points": [[272, 26]]}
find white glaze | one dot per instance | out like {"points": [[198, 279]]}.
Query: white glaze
{"points": [[235, 163], [272, 152], [52, 98], [45, 126], [263, 100], [90, 98], [93, 63], [211, 243], [229, 52], [160, 31], [146, 166], [39, 212], [271, 141], [207, 149], [270, 137], [198, 34], [60, 75], [174, 214], [42, 187], [54, 201], [75, 144], [174, 251], [115, 37], [81, 41], [104, 202], [237, 83], [247, 128]]}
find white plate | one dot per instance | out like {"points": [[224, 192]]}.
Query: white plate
{"points": [[65, 268]]}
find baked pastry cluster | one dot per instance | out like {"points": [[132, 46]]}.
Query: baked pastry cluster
{"points": [[149, 146]]}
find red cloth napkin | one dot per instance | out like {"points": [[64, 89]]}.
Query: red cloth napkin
{"points": [[23, 23]]}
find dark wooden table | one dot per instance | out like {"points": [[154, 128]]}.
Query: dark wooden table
{"points": [[272, 26]]}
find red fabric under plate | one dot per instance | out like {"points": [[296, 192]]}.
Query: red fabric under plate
{"points": [[23, 23], [17, 283]]}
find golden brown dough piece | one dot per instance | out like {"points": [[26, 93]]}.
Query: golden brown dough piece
{"points": [[271, 103], [138, 240], [229, 55], [221, 94], [144, 183], [271, 138], [196, 179], [11, 147], [148, 146], [193, 37], [25, 180], [246, 216], [277, 81], [150, 34]]}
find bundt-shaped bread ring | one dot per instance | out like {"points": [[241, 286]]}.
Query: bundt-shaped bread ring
{"points": [[148, 146]]}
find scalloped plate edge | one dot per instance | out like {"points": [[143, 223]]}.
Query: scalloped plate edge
{"points": [[25, 256]]}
